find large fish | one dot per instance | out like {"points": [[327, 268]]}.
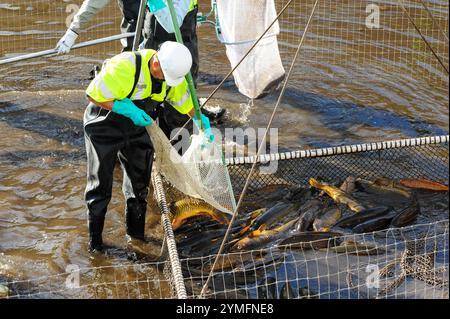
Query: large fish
{"points": [[312, 240], [363, 216], [183, 210], [350, 247], [406, 215], [324, 222], [309, 213], [261, 237], [382, 186], [348, 185], [337, 195], [229, 261], [423, 184], [371, 225]]}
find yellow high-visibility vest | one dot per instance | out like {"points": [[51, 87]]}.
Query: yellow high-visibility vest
{"points": [[116, 79]]}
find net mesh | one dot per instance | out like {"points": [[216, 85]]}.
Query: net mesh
{"points": [[408, 262]]}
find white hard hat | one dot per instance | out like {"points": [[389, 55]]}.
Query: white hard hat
{"points": [[175, 60]]}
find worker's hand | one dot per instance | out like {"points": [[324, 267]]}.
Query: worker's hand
{"points": [[67, 41], [155, 5], [205, 125], [127, 108]]}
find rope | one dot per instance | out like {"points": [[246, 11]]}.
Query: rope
{"points": [[422, 36], [178, 279], [247, 182], [345, 149]]}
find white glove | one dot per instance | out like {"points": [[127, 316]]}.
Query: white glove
{"points": [[67, 41]]}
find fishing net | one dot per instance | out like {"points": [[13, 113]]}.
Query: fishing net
{"points": [[199, 173], [405, 262]]}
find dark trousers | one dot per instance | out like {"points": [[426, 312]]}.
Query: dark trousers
{"points": [[110, 136], [130, 12]]}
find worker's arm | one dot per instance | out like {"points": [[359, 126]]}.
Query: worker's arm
{"points": [[163, 15], [111, 87], [88, 10]]}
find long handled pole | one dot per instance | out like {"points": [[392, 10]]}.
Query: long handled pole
{"points": [[139, 24], [189, 78], [76, 46]]}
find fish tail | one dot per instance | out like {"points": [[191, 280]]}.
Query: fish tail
{"points": [[315, 183]]}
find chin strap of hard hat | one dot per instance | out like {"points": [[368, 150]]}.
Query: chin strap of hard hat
{"points": [[189, 78]]}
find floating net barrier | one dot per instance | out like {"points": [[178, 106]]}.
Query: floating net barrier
{"points": [[402, 262]]}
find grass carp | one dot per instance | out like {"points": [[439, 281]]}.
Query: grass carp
{"points": [[382, 186], [363, 216], [351, 247], [312, 240], [324, 222], [260, 237], [348, 185], [337, 195], [374, 224], [185, 209], [267, 289], [309, 213], [407, 215], [276, 212], [424, 184]]}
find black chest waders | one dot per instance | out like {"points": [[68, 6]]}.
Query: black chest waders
{"points": [[130, 12], [109, 136]]}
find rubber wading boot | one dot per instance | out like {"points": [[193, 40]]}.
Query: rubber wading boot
{"points": [[95, 235], [135, 218]]}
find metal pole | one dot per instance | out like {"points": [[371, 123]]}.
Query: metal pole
{"points": [[76, 46], [139, 24]]}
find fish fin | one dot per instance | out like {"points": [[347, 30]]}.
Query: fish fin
{"points": [[244, 230]]}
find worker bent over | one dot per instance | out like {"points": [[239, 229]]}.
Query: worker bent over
{"points": [[125, 97]]}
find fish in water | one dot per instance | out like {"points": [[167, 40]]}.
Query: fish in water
{"points": [[312, 240], [351, 247], [252, 216], [407, 215], [424, 184], [229, 261], [261, 237], [324, 222], [363, 216], [309, 213], [185, 209], [383, 187], [337, 195], [348, 185], [276, 212], [287, 292], [375, 224]]}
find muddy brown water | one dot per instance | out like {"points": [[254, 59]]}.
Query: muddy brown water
{"points": [[350, 85]]}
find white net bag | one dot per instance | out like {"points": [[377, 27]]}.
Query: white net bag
{"points": [[241, 24], [199, 173]]}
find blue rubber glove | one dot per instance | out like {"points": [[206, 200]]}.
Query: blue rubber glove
{"points": [[155, 5], [204, 123], [127, 108]]}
